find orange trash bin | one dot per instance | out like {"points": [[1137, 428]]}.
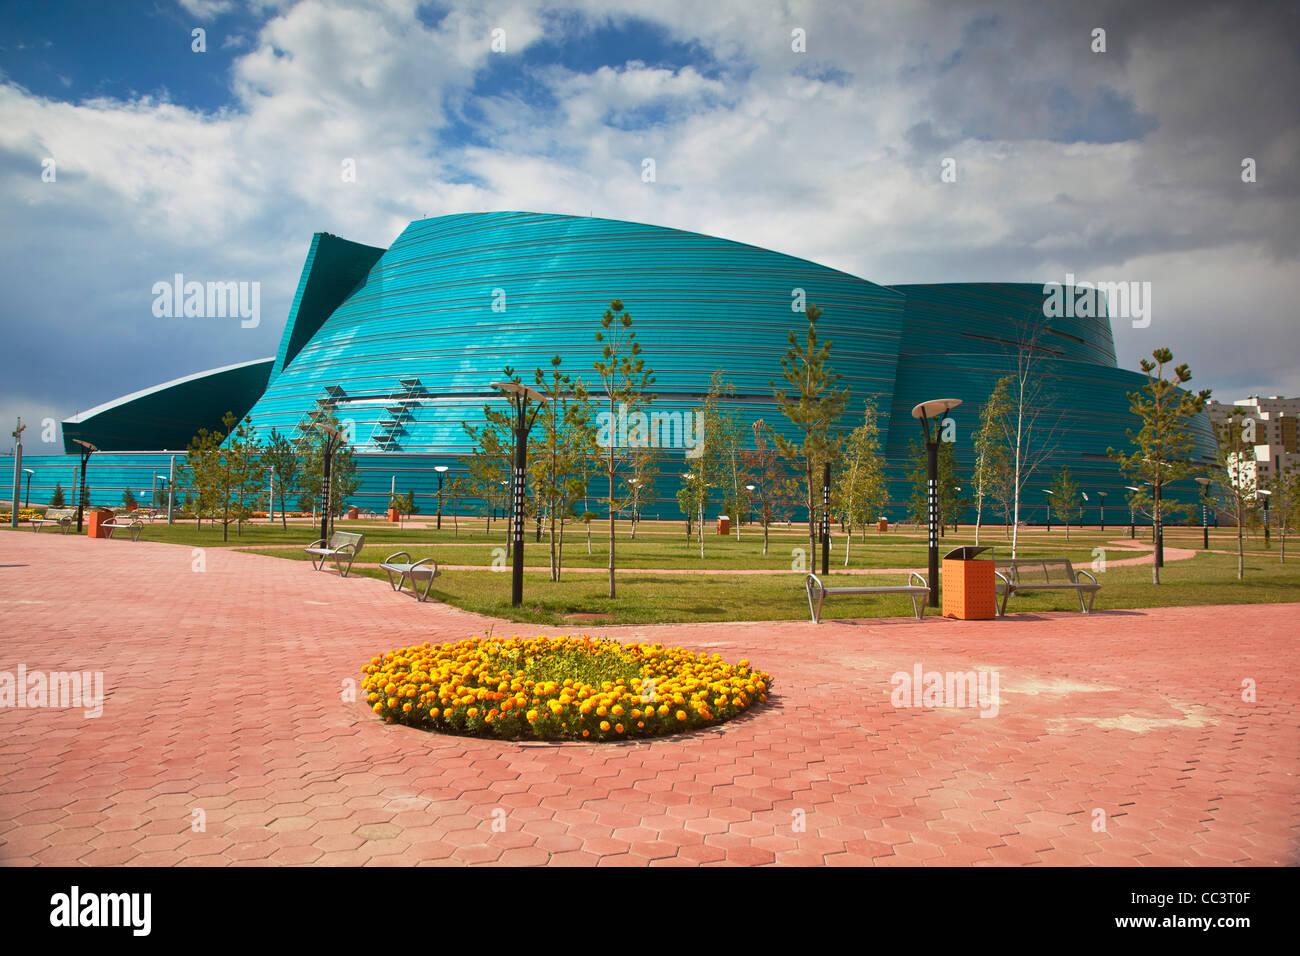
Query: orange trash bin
{"points": [[882, 524], [724, 524], [95, 523], [968, 586]]}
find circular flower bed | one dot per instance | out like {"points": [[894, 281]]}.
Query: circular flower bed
{"points": [[559, 687]]}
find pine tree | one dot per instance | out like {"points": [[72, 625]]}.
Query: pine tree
{"points": [[814, 409], [1164, 444], [624, 377]]}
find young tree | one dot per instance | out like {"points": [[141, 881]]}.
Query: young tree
{"points": [[639, 484], [814, 409], [1285, 485], [723, 455], [283, 459], [763, 464], [198, 471], [128, 500], [990, 479], [624, 377], [562, 441], [1030, 426], [344, 480], [56, 497], [1065, 497], [491, 462], [861, 490], [1163, 445], [224, 471], [243, 456], [452, 493], [1235, 473]]}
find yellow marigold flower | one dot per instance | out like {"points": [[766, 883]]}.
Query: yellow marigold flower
{"points": [[681, 715], [604, 725]]}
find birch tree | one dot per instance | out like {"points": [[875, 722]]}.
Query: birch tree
{"points": [[860, 488]]}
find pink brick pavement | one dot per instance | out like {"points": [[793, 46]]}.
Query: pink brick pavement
{"points": [[224, 694]]}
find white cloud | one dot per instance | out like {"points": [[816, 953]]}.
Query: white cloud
{"points": [[832, 155]]}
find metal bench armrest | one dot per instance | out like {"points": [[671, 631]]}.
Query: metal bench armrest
{"points": [[399, 554], [1081, 573]]}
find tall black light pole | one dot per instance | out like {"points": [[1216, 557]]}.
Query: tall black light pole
{"points": [[333, 441], [1052, 494], [87, 449], [924, 412], [1267, 496], [27, 502], [826, 517], [18, 472], [441, 470], [519, 395], [1102, 495], [1205, 512], [750, 502]]}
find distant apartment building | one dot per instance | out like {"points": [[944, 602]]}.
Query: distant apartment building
{"points": [[1276, 439]]}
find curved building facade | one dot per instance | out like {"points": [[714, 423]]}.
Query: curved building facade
{"points": [[403, 343]]}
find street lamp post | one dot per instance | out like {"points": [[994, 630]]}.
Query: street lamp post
{"points": [[1132, 511], [1102, 496], [1083, 515], [27, 501], [750, 489], [1205, 512], [18, 472], [936, 408], [1049, 508], [171, 491], [333, 441], [441, 470], [87, 449], [519, 396], [826, 517], [1267, 495]]}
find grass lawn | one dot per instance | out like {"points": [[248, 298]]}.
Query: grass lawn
{"points": [[645, 597]]}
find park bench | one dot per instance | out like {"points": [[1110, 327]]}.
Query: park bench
{"points": [[341, 544], [425, 567], [1024, 575], [132, 526], [61, 518], [914, 588]]}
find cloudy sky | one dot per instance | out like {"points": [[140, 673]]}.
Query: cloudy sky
{"points": [[1122, 165]]}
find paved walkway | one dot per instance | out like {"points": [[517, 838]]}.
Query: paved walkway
{"points": [[226, 736]]}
